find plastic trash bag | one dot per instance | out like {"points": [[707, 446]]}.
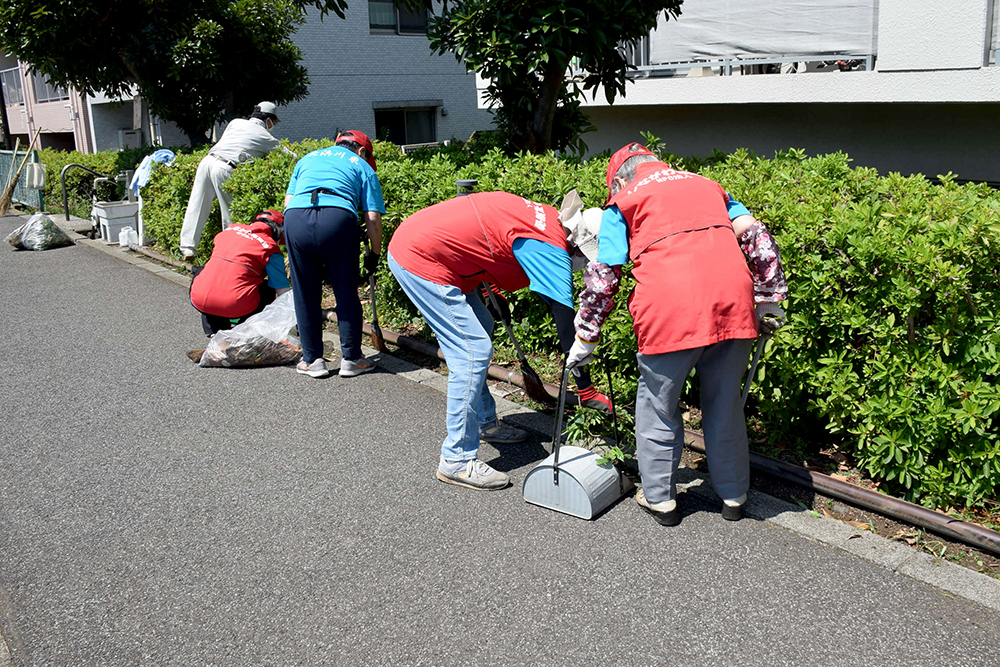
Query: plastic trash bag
{"points": [[263, 340], [38, 233]]}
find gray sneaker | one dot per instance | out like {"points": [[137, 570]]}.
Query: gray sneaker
{"points": [[349, 369], [317, 369], [475, 475], [501, 434]]}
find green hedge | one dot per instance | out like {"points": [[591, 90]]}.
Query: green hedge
{"points": [[892, 344]]}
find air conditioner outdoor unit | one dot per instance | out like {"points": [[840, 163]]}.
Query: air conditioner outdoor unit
{"points": [[129, 139]]}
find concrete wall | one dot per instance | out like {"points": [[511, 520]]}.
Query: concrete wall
{"points": [[108, 119], [352, 69], [930, 139]]}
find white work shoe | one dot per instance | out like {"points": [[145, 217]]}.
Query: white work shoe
{"points": [[473, 474], [187, 253], [665, 512]]}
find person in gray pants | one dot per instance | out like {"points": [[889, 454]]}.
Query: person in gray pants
{"points": [[708, 277]]}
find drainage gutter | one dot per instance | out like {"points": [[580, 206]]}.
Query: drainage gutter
{"points": [[942, 524]]}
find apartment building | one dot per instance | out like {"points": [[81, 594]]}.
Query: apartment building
{"points": [[916, 90], [373, 71], [33, 103]]}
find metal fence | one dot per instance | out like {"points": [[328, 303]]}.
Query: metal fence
{"points": [[22, 195]]}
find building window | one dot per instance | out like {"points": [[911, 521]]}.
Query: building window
{"points": [[406, 126], [385, 17], [13, 92], [46, 92]]}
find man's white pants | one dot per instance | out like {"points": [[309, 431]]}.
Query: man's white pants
{"points": [[208, 180]]}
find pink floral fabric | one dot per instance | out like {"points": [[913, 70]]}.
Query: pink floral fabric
{"points": [[764, 258], [600, 285]]}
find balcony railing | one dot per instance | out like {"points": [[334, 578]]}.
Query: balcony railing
{"points": [[13, 91]]}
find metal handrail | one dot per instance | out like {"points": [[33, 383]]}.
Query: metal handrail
{"points": [[62, 181]]}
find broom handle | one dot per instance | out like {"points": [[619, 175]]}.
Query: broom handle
{"points": [[27, 153], [557, 433]]}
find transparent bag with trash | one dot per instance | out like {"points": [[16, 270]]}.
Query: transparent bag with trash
{"points": [[265, 339], [38, 233]]}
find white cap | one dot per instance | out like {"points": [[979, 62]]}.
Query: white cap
{"points": [[268, 108], [582, 226]]}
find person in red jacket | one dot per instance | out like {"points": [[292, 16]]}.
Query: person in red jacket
{"points": [[439, 256], [708, 278], [245, 273]]}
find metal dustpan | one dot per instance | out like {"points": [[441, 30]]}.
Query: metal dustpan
{"points": [[570, 480]]}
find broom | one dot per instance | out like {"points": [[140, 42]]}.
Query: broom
{"points": [[8, 194]]}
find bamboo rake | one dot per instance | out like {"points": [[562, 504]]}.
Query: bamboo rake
{"points": [[8, 194]]}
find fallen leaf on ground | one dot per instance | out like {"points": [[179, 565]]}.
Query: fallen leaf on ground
{"points": [[861, 525]]}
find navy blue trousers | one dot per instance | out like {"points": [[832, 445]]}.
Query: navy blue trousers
{"points": [[323, 243]]}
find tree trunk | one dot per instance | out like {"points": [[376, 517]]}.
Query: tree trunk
{"points": [[540, 139]]}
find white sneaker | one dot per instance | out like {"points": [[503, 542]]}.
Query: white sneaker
{"points": [[317, 369], [187, 253], [349, 369], [474, 475]]}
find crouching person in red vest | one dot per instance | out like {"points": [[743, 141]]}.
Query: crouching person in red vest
{"points": [[708, 277], [245, 273], [439, 256]]}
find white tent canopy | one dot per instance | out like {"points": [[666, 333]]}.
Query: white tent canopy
{"points": [[718, 29]]}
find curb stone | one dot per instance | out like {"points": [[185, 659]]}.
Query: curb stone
{"points": [[950, 578]]}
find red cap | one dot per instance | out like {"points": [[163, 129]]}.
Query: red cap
{"points": [[618, 159], [270, 214], [366, 143]]}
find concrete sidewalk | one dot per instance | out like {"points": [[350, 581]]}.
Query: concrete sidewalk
{"points": [[153, 512]]}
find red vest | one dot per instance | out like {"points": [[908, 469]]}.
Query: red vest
{"points": [[227, 286], [693, 286], [466, 240]]}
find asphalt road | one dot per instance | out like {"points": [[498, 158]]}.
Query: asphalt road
{"points": [[157, 513]]}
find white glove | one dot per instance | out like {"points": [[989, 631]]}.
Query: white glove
{"points": [[581, 354], [770, 318]]}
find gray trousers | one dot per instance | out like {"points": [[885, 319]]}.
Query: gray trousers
{"points": [[659, 427]]}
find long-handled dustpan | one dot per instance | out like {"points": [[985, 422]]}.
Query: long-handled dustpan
{"points": [[570, 480]]}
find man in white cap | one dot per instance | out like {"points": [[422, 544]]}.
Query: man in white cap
{"points": [[243, 140]]}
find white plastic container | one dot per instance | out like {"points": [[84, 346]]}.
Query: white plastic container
{"points": [[133, 238], [113, 216], [123, 235]]}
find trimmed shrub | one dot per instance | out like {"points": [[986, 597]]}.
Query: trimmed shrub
{"points": [[891, 348]]}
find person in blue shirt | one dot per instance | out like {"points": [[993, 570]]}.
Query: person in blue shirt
{"points": [[327, 189]]}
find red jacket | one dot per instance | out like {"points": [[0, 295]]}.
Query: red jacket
{"points": [[693, 287], [466, 240], [227, 286]]}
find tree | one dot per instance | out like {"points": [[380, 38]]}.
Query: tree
{"points": [[525, 47], [194, 62]]}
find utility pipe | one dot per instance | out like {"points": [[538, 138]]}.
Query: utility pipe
{"points": [[942, 524]]}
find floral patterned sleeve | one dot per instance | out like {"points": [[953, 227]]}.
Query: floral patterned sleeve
{"points": [[600, 285], [765, 264]]}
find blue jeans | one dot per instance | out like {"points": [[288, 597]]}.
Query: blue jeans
{"points": [[462, 325]]}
